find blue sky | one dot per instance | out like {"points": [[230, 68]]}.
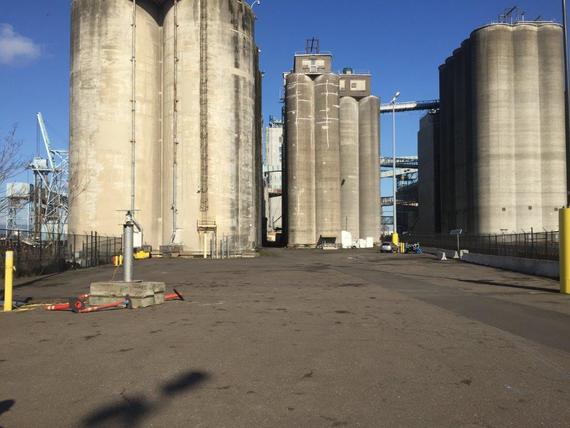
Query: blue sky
{"points": [[402, 42]]}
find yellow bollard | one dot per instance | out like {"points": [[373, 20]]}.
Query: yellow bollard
{"points": [[395, 239], [564, 256], [8, 280]]}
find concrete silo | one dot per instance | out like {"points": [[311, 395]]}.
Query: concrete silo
{"points": [[527, 127], [369, 171], [332, 153], [349, 166], [428, 175], [502, 116], [104, 133], [327, 157], [195, 138], [552, 120], [300, 110]]}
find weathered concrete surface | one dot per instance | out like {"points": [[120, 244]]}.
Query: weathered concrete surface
{"points": [[547, 268], [296, 338], [142, 294]]}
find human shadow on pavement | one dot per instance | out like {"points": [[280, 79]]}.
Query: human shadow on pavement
{"points": [[134, 409], [6, 405]]}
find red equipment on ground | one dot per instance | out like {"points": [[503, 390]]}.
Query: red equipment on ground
{"points": [[79, 304]]}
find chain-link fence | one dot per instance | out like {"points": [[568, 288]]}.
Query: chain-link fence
{"points": [[532, 245], [42, 253]]}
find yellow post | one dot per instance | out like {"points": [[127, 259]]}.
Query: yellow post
{"points": [[8, 280], [395, 239], [564, 230]]}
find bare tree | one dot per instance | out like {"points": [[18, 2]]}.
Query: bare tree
{"points": [[11, 160]]}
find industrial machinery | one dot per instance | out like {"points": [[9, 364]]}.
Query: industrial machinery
{"points": [[49, 193]]}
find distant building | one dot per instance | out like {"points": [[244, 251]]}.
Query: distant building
{"points": [[273, 177]]}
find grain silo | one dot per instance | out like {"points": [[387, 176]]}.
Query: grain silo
{"points": [[349, 166], [327, 157], [502, 147], [332, 141], [429, 217], [164, 117], [300, 108]]}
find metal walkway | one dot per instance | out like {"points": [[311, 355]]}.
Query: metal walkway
{"points": [[410, 106]]}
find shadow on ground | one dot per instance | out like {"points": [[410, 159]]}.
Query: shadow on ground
{"points": [[6, 405], [132, 410]]}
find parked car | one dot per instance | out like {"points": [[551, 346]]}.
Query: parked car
{"points": [[386, 247]]}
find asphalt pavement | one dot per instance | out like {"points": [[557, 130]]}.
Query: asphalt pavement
{"points": [[295, 338]]}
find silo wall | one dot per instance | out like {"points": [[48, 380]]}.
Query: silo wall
{"points": [[101, 116], [300, 110], [327, 157], [369, 171], [428, 177], [196, 120], [349, 166], [552, 120], [527, 129], [502, 118], [210, 156]]}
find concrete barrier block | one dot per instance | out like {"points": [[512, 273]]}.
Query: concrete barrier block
{"points": [[142, 294], [546, 268]]}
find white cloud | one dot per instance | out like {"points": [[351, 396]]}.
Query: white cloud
{"points": [[15, 48]]}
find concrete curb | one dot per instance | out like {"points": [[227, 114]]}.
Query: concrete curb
{"points": [[537, 267]]}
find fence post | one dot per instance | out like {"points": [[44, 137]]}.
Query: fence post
{"points": [[96, 249], [532, 243], [41, 249]]}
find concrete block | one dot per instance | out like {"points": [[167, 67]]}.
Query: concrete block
{"points": [[142, 294]]}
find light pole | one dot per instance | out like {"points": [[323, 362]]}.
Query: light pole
{"points": [[393, 102]]}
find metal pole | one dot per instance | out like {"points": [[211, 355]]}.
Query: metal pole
{"points": [[394, 163], [567, 99], [133, 103], [128, 232], [175, 129]]}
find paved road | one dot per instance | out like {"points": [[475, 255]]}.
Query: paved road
{"points": [[296, 338]]}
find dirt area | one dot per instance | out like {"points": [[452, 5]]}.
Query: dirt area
{"points": [[295, 338]]}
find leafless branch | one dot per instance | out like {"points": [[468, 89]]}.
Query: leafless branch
{"points": [[11, 161]]}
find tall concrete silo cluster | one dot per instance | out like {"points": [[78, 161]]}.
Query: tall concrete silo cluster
{"points": [[501, 151], [332, 137], [165, 120]]}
